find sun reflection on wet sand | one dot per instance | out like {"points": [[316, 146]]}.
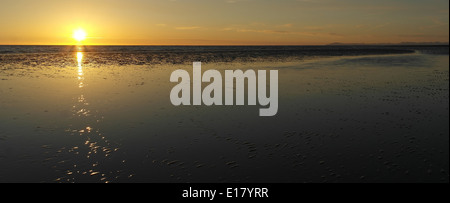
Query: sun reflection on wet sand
{"points": [[94, 148], [80, 69]]}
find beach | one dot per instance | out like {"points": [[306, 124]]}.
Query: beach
{"points": [[103, 114]]}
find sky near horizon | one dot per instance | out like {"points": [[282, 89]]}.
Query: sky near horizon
{"points": [[223, 22]]}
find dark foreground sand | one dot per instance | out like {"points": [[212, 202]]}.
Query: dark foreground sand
{"points": [[340, 119]]}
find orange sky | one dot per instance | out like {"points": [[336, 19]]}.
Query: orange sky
{"points": [[223, 22]]}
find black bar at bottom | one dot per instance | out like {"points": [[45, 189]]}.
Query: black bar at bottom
{"points": [[290, 192]]}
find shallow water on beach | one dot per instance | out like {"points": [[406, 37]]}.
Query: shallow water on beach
{"points": [[71, 117]]}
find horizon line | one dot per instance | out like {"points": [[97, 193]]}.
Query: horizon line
{"points": [[330, 44]]}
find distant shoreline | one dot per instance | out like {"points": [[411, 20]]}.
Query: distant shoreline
{"points": [[151, 55]]}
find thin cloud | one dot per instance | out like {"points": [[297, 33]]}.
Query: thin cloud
{"points": [[234, 1], [188, 28], [285, 32], [289, 25]]}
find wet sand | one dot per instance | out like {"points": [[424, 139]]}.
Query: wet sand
{"points": [[340, 119]]}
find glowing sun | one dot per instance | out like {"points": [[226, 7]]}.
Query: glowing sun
{"points": [[79, 35]]}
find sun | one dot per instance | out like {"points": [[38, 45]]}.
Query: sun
{"points": [[79, 35]]}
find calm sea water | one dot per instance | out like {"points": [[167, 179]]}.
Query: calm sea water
{"points": [[103, 114]]}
